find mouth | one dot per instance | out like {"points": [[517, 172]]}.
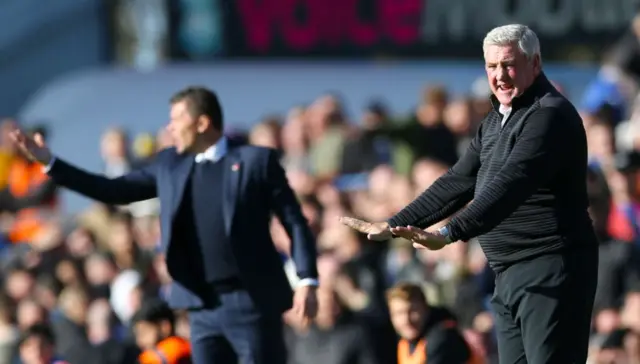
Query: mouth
{"points": [[505, 88]]}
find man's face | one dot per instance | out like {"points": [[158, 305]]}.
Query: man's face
{"points": [[35, 350], [147, 335], [407, 317], [509, 71], [184, 127]]}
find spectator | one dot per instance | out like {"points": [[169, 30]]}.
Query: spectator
{"points": [[37, 346], [417, 323], [155, 331], [334, 338]]}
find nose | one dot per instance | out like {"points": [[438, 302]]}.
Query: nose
{"points": [[501, 73]]}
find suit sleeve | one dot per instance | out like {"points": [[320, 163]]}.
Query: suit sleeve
{"points": [[534, 159], [448, 194], [447, 346], [137, 185], [283, 201]]}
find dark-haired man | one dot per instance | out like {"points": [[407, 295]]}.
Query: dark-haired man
{"points": [[154, 330], [217, 200], [37, 346]]}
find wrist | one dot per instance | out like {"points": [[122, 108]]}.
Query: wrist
{"points": [[444, 232], [308, 282]]}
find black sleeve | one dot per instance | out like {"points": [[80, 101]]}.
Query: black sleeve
{"points": [[534, 159], [137, 185], [447, 346], [448, 194], [38, 196]]}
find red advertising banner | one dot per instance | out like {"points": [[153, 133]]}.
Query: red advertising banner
{"points": [[424, 28]]}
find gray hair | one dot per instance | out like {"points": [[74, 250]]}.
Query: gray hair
{"points": [[520, 34]]}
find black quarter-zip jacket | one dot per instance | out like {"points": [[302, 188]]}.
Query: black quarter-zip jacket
{"points": [[526, 182]]}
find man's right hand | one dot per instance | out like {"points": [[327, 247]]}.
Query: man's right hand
{"points": [[34, 148], [377, 231]]}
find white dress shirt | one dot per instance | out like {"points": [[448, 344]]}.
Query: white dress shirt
{"points": [[215, 152], [506, 112]]}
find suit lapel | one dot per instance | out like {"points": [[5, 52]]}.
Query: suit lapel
{"points": [[181, 171], [231, 185]]}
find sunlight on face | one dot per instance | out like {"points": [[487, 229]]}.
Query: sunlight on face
{"points": [[182, 127], [509, 71]]}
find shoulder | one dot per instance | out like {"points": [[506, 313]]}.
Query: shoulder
{"points": [[148, 357], [166, 154], [255, 154], [447, 340], [553, 114], [444, 332], [555, 105]]}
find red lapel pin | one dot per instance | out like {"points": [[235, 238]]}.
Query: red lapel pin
{"points": [[235, 167]]}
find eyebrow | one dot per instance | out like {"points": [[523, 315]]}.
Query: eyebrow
{"points": [[506, 61]]}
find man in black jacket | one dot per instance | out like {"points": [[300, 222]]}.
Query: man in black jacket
{"points": [[525, 171]]}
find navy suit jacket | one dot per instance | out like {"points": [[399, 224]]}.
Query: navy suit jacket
{"points": [[254, 188]]}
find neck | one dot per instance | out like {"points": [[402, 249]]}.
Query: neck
{"points": [[206, 142]]}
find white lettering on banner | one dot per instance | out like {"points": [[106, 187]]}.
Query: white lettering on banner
{"points": [[457, 20]]}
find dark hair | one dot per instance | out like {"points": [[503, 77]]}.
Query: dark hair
{"points": [[154, 310], [49, 282], [7, 308], [201, 101], [41, 331]]}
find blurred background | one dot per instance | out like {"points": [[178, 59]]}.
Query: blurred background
{"points": [[369, 101]]}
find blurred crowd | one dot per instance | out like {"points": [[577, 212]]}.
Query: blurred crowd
{"points": [[74, 284]]}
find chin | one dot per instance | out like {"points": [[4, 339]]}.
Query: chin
{"points": [[505, 99]]}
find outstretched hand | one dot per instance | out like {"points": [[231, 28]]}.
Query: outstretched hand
{"points": [[34, 148], [305, 305], [377, 231], [421, 239]]}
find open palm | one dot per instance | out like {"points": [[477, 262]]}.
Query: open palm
{"points": [[377, 231], [34, 148], [421, 239]]}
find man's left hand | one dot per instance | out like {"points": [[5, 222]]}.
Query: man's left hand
{"points": [[305, 304], [421, 239]]}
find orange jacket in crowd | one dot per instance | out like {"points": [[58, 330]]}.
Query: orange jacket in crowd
{"points": [[172, 350], [24, 182], [445, 335]]}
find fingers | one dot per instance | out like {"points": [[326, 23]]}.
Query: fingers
{"points": [[356, 224], [419, 246], [22, 142], [17, 136], [374, 237], [301, 314], [403, 232]]}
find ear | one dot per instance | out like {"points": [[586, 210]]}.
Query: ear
{"points": [[203, 124], [537, 64]]}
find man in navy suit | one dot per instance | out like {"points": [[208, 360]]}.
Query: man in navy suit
{"points": [[217, 200]]}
